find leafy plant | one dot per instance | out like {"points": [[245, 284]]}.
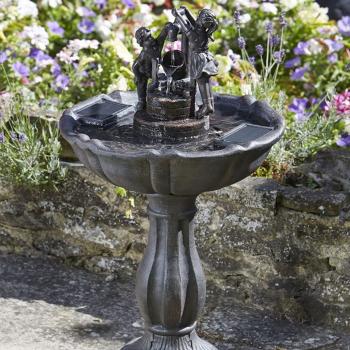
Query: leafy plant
{"points": [[29, 153]]}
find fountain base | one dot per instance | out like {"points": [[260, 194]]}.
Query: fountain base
{"points": [[156, 342], [170, 118]]}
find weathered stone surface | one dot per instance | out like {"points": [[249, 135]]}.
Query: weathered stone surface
{"points": [[330, 169], [263, 245], [47, 306]]}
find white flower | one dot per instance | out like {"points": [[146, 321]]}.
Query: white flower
{"points": [[245, 18], [314, 47], [314, 13], [234, 59], [159, 2], [144, 17], [103, 27], [121, 84], [79, 44], [269, 8], [37, 35], [27, 94], [27, 8], [70, 53], [290, 4], [24, 48], [37, 80], [121, 50], [247, 3], [52, 3], [114, 19], [5, 3], [67, 56], [169, 15], [328, 30]]}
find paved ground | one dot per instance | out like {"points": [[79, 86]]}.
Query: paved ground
{"points": [[45, 305]]}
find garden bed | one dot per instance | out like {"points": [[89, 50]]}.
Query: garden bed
{"points": [[266, 245]]}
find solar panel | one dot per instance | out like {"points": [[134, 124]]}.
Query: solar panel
{"points": [[244, 134], [101, 113]]}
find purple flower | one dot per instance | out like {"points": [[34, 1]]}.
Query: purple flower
{"points": [[13, 136], [251, 60], [237, 17], [275, 40], [333, 45], [55, 69], [2, 137], [34, 52], [344, 26], [3, 57], [129, 3], [332, 58], [22, 137], [299, 73], [259, 49], [21, 69], [241, 42], [85, 12], [279, 55], [269, 27], [61, 82], [101, 4], [282, 19], [301, 48], [344, 140], [294, 62], [55, 28], [42, 57], [299, 107], [86, 26]]}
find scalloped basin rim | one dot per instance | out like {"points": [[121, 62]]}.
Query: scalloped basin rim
{"points": [[68, 124], [174, 171]]}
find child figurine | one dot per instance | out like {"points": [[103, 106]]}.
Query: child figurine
{"points": [[146, 65], [201, 61]]}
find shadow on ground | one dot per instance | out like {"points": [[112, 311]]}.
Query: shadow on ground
{"points": [[46, 305]]}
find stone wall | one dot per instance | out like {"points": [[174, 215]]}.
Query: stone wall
{"points": [[281, 248]]}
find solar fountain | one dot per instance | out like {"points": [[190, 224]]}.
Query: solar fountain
{"points": [[172, 140]]}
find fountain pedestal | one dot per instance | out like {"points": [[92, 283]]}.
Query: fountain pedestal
{"points": [[170, 285]]}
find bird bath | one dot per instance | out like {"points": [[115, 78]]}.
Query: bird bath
{"points": [[171, 160]]}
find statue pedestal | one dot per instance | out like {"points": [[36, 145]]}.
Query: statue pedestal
{"points": [[170, 119]]}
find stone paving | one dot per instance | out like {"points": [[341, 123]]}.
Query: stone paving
{"points": [[45, 305]]}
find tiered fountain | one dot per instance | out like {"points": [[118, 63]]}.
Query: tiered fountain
{"points": [[170, 143]]}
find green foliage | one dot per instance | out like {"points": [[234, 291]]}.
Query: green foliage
{"points": [[101, 61], [29, 153], [129, 201]]}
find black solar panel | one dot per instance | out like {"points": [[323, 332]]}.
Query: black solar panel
{"points": [[101, 113], [244, 133]]}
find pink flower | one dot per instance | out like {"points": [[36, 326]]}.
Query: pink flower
{"points": [[176, 45], [341, 103]]}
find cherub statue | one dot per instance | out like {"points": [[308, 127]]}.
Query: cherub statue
{"points": [[202, 64], [146, 65]]}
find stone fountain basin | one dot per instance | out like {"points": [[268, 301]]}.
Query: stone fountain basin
{"points": [[174, 169]]}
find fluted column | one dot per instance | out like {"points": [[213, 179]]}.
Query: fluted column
{"points": [[170, 285]]}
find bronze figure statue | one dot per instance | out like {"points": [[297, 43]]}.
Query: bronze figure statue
{"points": [[183, 70], [146, 65], [202, 64]]}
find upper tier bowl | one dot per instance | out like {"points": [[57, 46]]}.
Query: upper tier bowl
{"points": [[242, 133]]}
